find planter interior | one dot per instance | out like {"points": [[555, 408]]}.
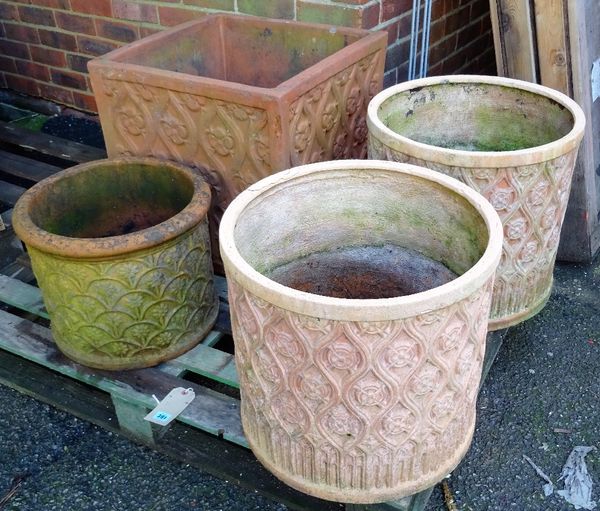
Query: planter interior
{"points": [[349, 282], [121, 252], [108, 202], [394, 237], [477, 117], [234, 49]]}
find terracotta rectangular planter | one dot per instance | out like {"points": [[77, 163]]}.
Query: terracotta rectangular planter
{"points": [[240, 97]]}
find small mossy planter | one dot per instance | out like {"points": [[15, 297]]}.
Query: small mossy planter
{"points": [[359, 379], [121, 253], [515, 142]]}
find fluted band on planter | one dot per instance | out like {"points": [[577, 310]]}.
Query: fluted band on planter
{"points": [[514, 142], [121, 253], [359, 400]]}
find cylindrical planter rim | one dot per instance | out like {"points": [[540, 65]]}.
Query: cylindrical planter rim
{"points": [[113, 246], [360, 309], [484, 159]]}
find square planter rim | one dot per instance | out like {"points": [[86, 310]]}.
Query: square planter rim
{"points": [[482, 159], [295, 85], [369, 310]]}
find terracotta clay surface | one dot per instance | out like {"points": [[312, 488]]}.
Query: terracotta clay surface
{"points": [[240, 97], [514, 142], [121, 253], [359, 400]]}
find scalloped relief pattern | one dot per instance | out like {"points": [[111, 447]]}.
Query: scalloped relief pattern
{"points": [[130, 307], [329, 121], [367, 406], [531, 201]]}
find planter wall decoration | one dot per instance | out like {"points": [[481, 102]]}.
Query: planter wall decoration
{"points": [[121, 253], [515, 142], [240, 97], [351, 391]]}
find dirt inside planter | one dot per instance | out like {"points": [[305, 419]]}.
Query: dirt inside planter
{"points": [[111, 200], [367, 272]]}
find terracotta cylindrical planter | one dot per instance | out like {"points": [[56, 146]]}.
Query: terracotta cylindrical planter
{"points": [[514, 142], [359, 295], [241, 97], [121, 253]]}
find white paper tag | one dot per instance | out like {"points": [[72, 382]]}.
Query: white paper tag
{"points": [[171, 406]]}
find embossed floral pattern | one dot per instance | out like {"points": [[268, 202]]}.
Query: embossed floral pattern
{"points": [[376, 395], [531, 202]]}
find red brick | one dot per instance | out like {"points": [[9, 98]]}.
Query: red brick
{"points": [[457, 20], [57, 94], [33, 70], [21, 33], [480, 8], [396, 55], [355, 2], [7, 64], [14, 49], [370, 16], [93, 46], [393, 8], [78, 62], [69, 79], [45, 55], [58, 40], [75, 23], [222, 5], [146, 31], [171, 16], [8, 12], [441, 50], [94, 7], [390, 78], [125, 9], [22, 84], [55, 4], [37, 16], [85, 102], [404, 27], [124, 32], [392, 30]]}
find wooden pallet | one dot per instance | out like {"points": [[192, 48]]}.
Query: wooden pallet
{"points": [[208, 434]]}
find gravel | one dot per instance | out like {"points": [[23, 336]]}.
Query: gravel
{"points": [[540, 400], [71, 465]]}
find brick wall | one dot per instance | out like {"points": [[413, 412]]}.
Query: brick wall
{"points": [[45, 44]]}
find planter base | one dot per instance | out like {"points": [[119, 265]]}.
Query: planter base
{"points": [[514, 319], [362, 495]]}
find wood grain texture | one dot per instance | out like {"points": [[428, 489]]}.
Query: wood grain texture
{"points": [[514, 39], [551, 20], [71, 152]]}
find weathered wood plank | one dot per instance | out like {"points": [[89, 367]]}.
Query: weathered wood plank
{"points": [[205, 361], [67, 150], [512, 26], [25, 168], [9, 193], [553, 44], [22, 296], [210, 411]]}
